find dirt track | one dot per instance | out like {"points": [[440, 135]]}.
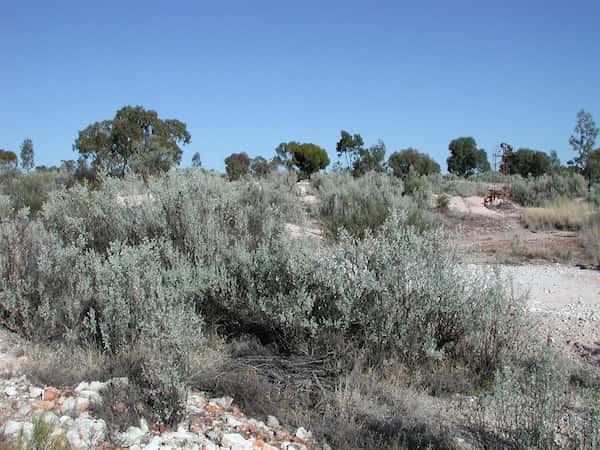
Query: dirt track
{"points": [[563, 300]]}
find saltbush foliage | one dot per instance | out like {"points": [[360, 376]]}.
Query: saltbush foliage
{"points": [[357, 205], [455, 185], [139, 274], [533, 191], [537, 191], [31, 190]]}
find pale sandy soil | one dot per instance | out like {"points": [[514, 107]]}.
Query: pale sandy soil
{"points": [[472, 205], [312, 229], [563, 299]]}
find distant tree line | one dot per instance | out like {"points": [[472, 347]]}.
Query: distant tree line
{"points": [[138, 141]]}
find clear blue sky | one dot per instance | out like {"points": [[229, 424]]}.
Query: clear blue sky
{"points": [[247, 75]]}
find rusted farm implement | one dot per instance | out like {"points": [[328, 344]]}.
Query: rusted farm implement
{"points": [[500, 191]]}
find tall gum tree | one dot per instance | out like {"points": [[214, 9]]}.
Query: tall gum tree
{"points": [[135, 140]]}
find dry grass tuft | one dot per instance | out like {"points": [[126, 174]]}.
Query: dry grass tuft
{"points": [[591, 239], [562, 214], [348, 406], [64, 365], [41, 439]]}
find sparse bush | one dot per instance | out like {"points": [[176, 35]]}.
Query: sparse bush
{"points": [[528, 403], [591, 238], [530, 408], [476, 185], [537, 191], [357, 204], [442, 203], [360, 204], [6, 208], [594, 195], [65, 365], [31, 190], [412, 185]]}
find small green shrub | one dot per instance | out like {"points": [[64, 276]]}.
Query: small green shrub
{"points": [[31, 190], [547, 188], [454, 185], [530, 407], [591, 238], [442, 203], [357, 204], [412, 185], [594, 195]]}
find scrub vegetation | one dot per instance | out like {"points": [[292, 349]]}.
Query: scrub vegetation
{"points": [[185, 278]]}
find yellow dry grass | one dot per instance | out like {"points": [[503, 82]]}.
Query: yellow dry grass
{"points": [[562, 214]]}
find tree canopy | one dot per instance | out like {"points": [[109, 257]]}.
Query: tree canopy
{"points": [[309, 158], [583, 140], [526, 162], [237, 165], [465, 158], [555, 166], [593, 166], [410, 161], [135, 140], [283, 154], [350, 146], [261, 167], [27, 162], [370, 159], [8, 160], [196, 161]]}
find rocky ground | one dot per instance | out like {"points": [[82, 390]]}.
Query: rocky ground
{"points": [[209, 424], [564, 303]]}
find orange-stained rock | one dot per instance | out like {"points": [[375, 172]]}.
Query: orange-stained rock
{"points": [[249, 430], [258, 443], [213, 409], [237, 413], [50, 394], [68, 393], [44, 405]]}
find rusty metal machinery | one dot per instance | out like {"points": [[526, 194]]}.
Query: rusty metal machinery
{"points": [[501, 188]]}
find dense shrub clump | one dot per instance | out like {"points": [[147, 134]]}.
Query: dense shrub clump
{"points": [[141, 275], [537, 191], [357, 205], [476, 185]]}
